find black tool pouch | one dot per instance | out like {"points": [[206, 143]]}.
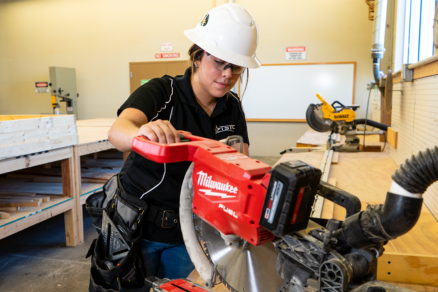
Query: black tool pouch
{"points": [[116, 258], [97, 202], [128, 273]]}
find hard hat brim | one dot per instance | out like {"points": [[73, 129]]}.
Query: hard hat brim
{"points": [[227, 56]]}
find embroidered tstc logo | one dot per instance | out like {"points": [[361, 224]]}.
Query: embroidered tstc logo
{"points": [[226, 128], [204, 180]]}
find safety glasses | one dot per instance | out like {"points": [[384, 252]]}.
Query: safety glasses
{"points": [[222, 66]]}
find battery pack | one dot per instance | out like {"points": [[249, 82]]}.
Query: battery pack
{"points": [[289, 197]]}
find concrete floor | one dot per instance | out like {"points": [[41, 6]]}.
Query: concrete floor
{"points": [[36, 259]]}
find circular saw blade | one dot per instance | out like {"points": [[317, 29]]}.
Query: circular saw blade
{"points": [[315, 120], [248, 269]]}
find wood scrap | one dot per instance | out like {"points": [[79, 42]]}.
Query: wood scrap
{"points": [[335, 158], [18, 203], [17, 194], [4, 215], [45, 199], [8, 209]]}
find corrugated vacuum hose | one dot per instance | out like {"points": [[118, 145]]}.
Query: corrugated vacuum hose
{"points": [[402, 206]]}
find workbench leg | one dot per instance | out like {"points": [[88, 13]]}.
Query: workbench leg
{"points": [[78, 192], [68, 182]]}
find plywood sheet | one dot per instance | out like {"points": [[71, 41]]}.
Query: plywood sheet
{"points": [[96, 122]]}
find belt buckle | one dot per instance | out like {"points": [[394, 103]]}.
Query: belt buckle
{"points": [[164, 218]]}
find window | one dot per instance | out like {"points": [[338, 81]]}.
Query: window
{"points": [[418, 38]]}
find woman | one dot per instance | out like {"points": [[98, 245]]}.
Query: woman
{"points": [[200, 102]]}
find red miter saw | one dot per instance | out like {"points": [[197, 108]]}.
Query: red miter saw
{"points": [[249, 225]]}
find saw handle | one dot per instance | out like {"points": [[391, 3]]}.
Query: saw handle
{"points": [[350, 202], [325, 104]]}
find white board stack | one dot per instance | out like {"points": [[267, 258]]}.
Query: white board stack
{"points": [[29, 134]]}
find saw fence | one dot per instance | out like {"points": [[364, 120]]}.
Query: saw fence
{"points": [[45, 172]]}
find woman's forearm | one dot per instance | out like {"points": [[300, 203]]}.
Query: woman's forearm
{"points": [[121, 134]]}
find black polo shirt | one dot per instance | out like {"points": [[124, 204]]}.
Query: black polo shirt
{"points": [[171, 98]]}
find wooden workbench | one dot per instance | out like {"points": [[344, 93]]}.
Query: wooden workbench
{"points": [[31, 140], [62, 204]]}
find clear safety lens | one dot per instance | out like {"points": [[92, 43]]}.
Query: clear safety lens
{"points": [[222, 66]]}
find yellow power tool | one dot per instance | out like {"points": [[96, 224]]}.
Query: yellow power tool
{"points": [[341, 119]]}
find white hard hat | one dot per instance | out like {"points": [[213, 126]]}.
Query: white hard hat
{"points": [[228, 32]]}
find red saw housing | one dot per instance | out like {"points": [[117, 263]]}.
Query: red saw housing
{"points": [[229, 187]]}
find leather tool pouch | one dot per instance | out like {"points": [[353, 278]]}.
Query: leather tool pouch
{"points": [[116, 258]]}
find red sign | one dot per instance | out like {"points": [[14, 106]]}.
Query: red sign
{"points": [[295, 49], [41, 84], [166, 55]]}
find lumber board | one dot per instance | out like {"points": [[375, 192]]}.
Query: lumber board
{"points": [[17, 194], [408, 268], [4, 215], [392, 137], [44, 199], [313, 138], [26, 161], [8, 209], [34, 123], [18, 203], [21, 137], [38, 146], [21, 220], [335, 159]]}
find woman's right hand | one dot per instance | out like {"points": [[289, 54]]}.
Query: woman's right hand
{"points": [[160, 131]]}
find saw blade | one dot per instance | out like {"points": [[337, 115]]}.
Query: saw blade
{"points": [[315, 119], [246, 269]]}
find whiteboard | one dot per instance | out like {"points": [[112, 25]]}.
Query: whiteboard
{"points": [[284, 91]]}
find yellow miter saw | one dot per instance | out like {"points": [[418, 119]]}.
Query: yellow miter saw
{"points": [[340, 119]]}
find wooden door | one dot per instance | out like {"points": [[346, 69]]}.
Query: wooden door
{"points": [[139, 71]]}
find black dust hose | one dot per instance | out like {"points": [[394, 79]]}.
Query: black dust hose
{"points": [[371, 123], [419, 172], [402, 205]]}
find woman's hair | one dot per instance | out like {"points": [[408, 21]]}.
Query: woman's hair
{"points": [[196, 53]]}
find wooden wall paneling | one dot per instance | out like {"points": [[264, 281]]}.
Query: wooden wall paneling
{"points": [[415, 117]]}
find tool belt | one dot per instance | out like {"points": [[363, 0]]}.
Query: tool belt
{"points": [[163, 218], [123, 216], [116, 257]]}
